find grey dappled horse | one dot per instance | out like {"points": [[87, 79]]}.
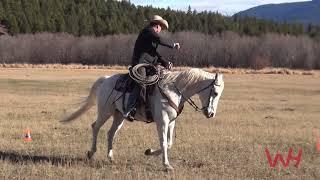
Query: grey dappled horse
{"points": [[168, 98]]}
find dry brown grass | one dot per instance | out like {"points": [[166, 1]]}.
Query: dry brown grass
{"points": [[255, 111], [210, 69]]}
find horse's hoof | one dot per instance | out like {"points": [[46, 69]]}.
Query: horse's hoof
{"points": [[169, 168], [89, 154], [111, 159], [148, 152]]}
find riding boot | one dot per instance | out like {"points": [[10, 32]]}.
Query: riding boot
{"points": [[144, 95], [130, 109], [149, 115], [147, 107]]}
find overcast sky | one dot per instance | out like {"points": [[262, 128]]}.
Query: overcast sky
{"points": [[226, 7]]}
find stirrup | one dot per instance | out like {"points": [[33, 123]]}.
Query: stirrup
{"points": [[129, 115], [130, 118]]}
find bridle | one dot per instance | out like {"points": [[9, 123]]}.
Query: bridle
{"points": [[192, 103]]}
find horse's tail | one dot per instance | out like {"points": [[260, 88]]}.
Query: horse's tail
{"points": [[87, 104]]}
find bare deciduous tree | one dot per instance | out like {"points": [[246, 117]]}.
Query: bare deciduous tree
{"points": [[227, 49]]}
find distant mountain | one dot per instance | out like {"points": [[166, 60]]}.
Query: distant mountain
{"points": [[301, 12]]}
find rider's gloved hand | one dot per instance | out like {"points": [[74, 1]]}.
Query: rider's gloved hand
{"points": [[169, 65], [176, 46]]}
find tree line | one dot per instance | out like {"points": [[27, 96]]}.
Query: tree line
{"points": [[227, 49], [104, 17]]}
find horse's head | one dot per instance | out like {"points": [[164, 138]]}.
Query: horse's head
{"points": [[211, 94], [193, 81]]}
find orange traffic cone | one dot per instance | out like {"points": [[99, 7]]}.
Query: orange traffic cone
{"points": [[27, 136]]}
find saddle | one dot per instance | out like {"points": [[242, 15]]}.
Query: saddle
{"points": [[128, 83], [124, 84]]}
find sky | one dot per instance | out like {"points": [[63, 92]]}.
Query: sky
{"points": [[226, 7]]}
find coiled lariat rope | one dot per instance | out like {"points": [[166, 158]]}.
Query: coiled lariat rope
{"points": [[148, 80]]}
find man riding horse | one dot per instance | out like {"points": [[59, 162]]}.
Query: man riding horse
{"points": [[145, 51]]}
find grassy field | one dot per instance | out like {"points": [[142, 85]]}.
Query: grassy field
{"points": [[255, 112]]}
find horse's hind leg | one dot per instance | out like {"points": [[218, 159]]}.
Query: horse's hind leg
{"points": [[95, 131], [116, 126]]}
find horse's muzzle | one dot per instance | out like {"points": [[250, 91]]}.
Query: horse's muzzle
{"points": [[209, 115]]}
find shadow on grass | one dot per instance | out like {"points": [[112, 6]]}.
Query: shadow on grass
{"points": [[63, 160], [19, 158]]}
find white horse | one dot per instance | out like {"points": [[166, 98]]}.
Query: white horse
{"points": [[168, 98]]}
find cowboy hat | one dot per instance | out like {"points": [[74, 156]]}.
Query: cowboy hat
{"points": [[159, 20]]}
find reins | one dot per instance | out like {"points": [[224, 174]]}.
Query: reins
{"points": [[191, 102]]}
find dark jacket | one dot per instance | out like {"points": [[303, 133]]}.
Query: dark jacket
{"points": [[145, 48]]}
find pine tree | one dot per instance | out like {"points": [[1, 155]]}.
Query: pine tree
{"points": [[71, 17], [13, 25], [139, 19], [99, 26], [2, 11], [24, 24], [101, 17], [85, 21]]}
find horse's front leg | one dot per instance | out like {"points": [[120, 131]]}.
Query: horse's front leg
{"points": [[170, 133], [151, 152], [162, 127]]}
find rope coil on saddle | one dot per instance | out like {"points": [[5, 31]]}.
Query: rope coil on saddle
{"points": [[148, 80]]}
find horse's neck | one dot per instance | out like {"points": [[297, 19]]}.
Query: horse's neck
{"points": [[192, 89]]}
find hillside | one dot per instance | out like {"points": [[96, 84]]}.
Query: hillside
{"points": [[301, 12]]}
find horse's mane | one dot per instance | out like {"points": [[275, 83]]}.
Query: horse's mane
{"points": [[184, 78]]}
